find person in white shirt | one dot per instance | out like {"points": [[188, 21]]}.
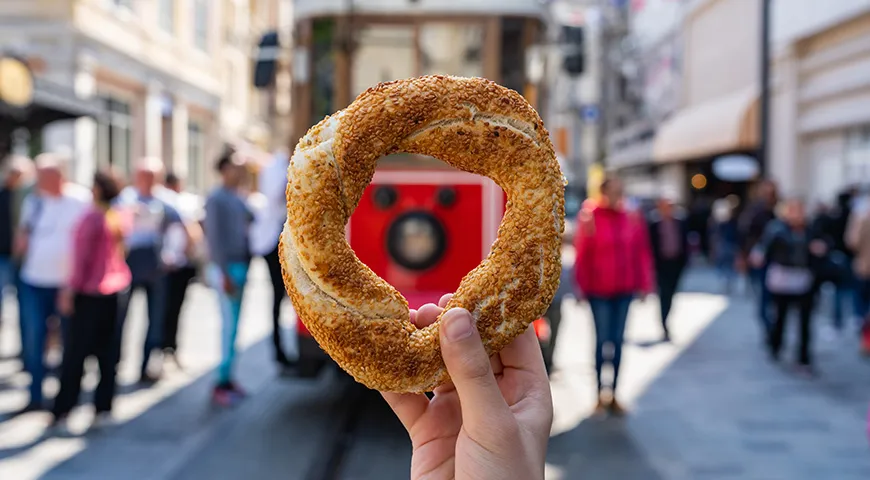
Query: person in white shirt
{"points": [[270, 208], [152, 217], [44, 245], [182, 254]]}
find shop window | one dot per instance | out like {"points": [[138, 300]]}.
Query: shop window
{"points": [[27, 142], [167, 16], [115, 135], [857, 155], [200, 24], [195, 156]]}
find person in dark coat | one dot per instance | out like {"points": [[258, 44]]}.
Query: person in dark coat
{"points": [[752, 224], [723, 232], [842, 257], [795, 255], [668, 233]]}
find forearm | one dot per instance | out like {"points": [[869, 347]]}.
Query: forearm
{"points": [[19, 246]]}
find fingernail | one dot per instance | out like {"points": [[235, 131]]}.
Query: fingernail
{"points": [[457, 324]]}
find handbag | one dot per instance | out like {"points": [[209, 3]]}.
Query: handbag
{"points": [[785, 280]]}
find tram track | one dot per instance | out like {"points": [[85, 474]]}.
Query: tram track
{"points": [[336, 444]]}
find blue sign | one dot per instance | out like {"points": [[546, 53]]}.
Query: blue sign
{"points": [[589, 113]]}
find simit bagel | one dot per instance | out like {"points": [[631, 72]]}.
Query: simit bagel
{"points": [[472, 124]]}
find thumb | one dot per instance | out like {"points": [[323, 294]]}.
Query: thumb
{"points": [[470, 369]]}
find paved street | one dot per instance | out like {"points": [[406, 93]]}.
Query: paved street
{"points": [[707, 406]]}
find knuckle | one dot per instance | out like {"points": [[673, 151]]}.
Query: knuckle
{"points": [[476, 370]]}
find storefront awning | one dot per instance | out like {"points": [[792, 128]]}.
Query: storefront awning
{"points": [[727, 124], [52, 102]]}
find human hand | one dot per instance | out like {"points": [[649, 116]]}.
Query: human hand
{"points": [[65, 303], [818, 248], [756, 259], [492, 421]]}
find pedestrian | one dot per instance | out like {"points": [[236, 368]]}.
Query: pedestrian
{"points": [[858, 241], [44, 242], [724, 242], [613, 265], [842, 258], [265, 233], [152, 217], [227, 220], [182, 255], [697, 220], [669, 238], [99, 280], [501, 405], [17, 183], [752, 224], [793, 254]]}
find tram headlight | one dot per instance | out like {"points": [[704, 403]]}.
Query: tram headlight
{"points": [[416, 240], [385, 197]]}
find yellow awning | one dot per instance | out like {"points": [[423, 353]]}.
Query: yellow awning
{"points": [[726, 124]]}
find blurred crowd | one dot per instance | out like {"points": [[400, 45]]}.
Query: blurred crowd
{"points": [[790, 258], [74, 257]]}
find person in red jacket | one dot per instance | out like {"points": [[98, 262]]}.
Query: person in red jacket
{"points": [[613, 265]]}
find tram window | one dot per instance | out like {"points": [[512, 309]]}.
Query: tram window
{"points": [[383, 53], [512, 58], [322, 51], [451, 48]]}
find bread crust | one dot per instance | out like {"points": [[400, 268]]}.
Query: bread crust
{"points": [[473, 124]]}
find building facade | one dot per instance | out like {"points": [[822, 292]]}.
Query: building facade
{"points": [[698, 132], [821, 104], [574, 104], [651, 63], [173, 77]]}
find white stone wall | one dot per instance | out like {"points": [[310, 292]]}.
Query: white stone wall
{"points": [[822, 93], [792, 19]]}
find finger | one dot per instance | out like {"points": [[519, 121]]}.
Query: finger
{"points": [[524, 353], [444, 299], [524, 376], [412, 316], [408, 407], [470, 369], [427, 314]]}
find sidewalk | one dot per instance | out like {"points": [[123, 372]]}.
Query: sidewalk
{"points": [[718, 409], [157, 427]]}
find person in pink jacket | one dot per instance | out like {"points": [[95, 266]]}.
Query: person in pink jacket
{"points": [[99, 280], [613, 265]]}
